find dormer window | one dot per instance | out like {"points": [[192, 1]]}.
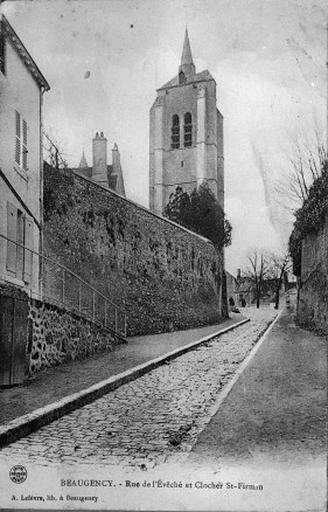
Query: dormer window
{"points": [[187, 130], [175, 132], [182, 78]]}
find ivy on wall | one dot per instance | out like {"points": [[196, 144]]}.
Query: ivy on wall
{"points": [[163, 275], [310, 217]]}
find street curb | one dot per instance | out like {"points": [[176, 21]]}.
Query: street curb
{"points": [[25, 425]]}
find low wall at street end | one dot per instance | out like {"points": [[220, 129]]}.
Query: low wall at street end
{"points": [[166, 277], [56, 336], [35, 335], [313, 292]]}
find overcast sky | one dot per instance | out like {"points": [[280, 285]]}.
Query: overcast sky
{"points": [[104, 60]]}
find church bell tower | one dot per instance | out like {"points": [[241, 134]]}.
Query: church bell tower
{"points": [[186, 135]]}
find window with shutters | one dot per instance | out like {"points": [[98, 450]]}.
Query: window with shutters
{"points": [[11, 235], [175, 132], [2, 54], [28, 244], [21, 150], [20, 244], [187, 130]]}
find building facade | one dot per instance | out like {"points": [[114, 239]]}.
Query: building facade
{"points": [[21, 90], [102, 173], [186, 135]]}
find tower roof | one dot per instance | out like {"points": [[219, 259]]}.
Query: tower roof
{"points": [[187, 66], [83, 163], [186, 57]]}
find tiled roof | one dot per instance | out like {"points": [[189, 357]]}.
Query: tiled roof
{"points": [[24, 55], [203, 76], [87, 172]]}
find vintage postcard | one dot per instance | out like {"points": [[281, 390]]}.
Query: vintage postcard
{"points": [[163, 255]]}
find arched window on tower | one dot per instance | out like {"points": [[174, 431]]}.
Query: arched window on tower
{"points": [[175, 132], [187, 130]]}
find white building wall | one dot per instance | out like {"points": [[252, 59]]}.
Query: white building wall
{"points": [[19, 92]]}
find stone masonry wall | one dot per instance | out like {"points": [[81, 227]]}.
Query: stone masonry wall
{"points": [[56, 336], [313, 294], [167, 277]]}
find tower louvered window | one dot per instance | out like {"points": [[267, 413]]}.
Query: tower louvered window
{"points": [[175, 132], [187, 130]]}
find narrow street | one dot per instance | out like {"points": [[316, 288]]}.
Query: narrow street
{"points": [[275, 414], [154, 419], [260, 447]]}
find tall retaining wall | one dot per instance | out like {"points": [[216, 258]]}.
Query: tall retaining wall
{"points": [[313, 292], [166, 277]]}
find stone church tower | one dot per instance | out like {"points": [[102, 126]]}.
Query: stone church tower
{"points": [[186, 135]]}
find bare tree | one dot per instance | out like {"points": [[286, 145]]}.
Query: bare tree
{"points": [[278, 265], [256, 272], [54, 155], [267, 266], [304, 166]]}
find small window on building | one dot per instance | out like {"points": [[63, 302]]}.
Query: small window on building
{"points": [[21, 150], [187, 130], [2, 53], [175, 132]]}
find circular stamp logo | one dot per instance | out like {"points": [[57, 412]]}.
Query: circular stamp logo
{"points": [[18, 474]]}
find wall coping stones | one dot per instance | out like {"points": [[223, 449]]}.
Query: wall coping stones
{"points": [[15, 292], [137, 205]]}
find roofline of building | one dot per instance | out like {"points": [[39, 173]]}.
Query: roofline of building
{"points": [[230, 274], [19, 198], [24, 54], [163, 88], [110, 191]]}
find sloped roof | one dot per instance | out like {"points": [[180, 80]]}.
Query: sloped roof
{"points": [[203, 76], [111, 177], [22, 52]]}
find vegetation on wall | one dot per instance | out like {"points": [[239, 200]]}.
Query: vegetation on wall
{"points": [[310, 217], [200, 212], [165, 277]]}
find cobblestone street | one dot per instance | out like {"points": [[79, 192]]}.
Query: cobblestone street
{"points": [[152, 420]]}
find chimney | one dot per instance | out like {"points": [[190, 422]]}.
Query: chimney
{"points": [[238, 273], [99, 159]]}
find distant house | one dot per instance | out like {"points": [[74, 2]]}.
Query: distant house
{"points": [[21, 91], [231, 288], [244, 289], [102, 173]]}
